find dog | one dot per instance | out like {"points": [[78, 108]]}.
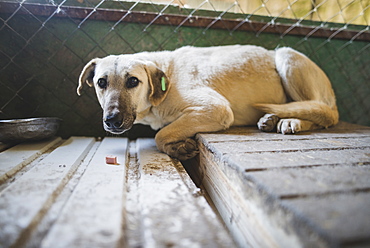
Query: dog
{"points": [[192, 89]]}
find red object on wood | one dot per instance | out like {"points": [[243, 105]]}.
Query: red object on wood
{"points": [[111, 159]]}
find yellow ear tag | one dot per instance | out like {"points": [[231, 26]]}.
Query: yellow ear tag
{"points": [[163, 82]]}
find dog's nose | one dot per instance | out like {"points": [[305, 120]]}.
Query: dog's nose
{"points": [[113, 121]]}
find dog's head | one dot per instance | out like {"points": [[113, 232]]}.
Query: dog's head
{"points": [[124, 86]]}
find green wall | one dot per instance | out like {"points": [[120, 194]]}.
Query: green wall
{"points": [[41, 58]]}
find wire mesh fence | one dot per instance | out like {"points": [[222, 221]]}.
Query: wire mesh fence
{"points": [[342, 11], [45, 44]]}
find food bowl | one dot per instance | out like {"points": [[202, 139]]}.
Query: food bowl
{"points": [[32, 129]]}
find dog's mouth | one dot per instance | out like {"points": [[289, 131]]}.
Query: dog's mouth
{"points": [[118, 129], [115, 130]]}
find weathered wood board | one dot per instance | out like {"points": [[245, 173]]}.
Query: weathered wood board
{"points": [[24, 202], [68, 196], [93, 215], [15, 158], [305, 190], [170, 215]]}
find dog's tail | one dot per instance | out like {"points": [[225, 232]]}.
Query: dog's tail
{"points": [[317, 112]]}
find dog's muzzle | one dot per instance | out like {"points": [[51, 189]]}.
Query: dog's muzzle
{"points": [[116, 124]]}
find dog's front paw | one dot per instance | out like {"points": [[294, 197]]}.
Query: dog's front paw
{"points": [[287, 126], [268, 122], [182, 150]]}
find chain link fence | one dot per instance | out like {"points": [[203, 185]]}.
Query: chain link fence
{"points": [[45, 44]]}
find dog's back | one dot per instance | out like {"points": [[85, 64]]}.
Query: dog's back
{"points": [[256, 80]]}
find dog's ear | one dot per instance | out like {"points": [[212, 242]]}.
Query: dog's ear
{"points": [[87, 75], [158, 82]]}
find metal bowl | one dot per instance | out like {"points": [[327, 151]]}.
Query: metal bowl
{"points": [[19, 130]]}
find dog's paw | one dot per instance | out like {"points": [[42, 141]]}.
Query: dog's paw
{"points": [[183, 150], [268, 122], [287, 126]]}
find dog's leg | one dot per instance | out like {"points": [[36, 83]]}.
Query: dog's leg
{"points": [[268, 122], [288, 126], [177, 138], [313, 100]]}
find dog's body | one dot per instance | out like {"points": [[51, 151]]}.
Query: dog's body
{"points": [[193, 90]]}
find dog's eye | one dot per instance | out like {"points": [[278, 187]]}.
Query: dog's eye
{"points": [[102, 83], [132, 82]]}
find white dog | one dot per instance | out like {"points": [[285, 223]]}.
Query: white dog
{"points": [[193, 90]]}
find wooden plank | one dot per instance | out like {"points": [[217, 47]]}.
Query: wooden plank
{"points": [[25, 202], [244, 212], [293, 182], [343, 129], [15, 158], [171, 215], [289, 145], [271, 160], [253, 214], [52, 214], [345, 217], [94, 214]]}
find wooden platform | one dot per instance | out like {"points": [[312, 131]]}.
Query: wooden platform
{"points": [[61, 193], [271, 190], [305, 190]]}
